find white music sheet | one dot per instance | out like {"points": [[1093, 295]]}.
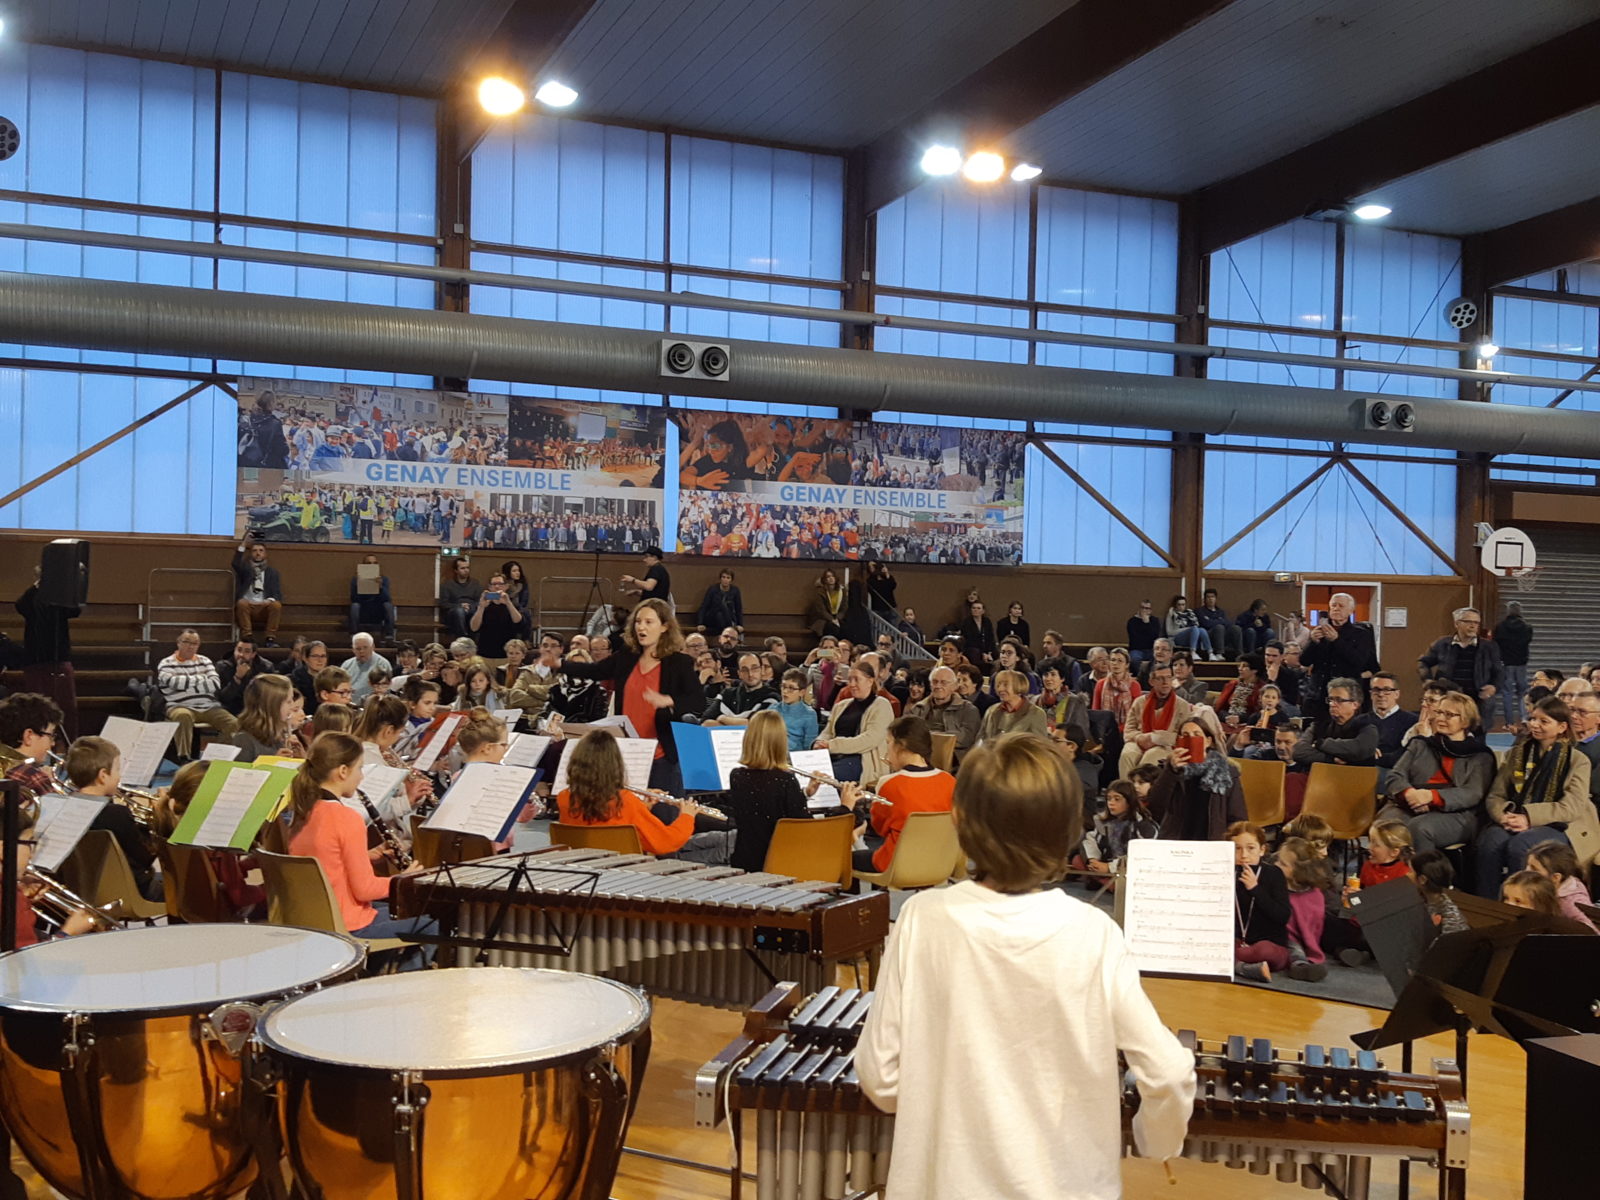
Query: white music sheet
{"points": [[63, 820], [429, 753], [526, 749], [483, 799], [821, 762], [238, 792], [509, 715], [381, 783], [219, 752], [143, 745], [1178, 907], [728, 746], [637, 756]]}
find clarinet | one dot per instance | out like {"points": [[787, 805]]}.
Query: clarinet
{"points": [[391, 842]]}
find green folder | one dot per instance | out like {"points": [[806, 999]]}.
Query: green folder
{"points": [[242, 823]]}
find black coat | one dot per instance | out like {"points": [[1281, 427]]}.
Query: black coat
{"points": [[1349, 656], [1440, 662], [679, 682], [244, 574], [1513, 635], [721, 609]]}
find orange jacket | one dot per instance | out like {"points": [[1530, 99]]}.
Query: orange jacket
{"points": [[655, 836]]}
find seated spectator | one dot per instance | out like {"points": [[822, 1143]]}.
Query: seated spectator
{"points": [[257, 590], [1559, 865], [1436, 880], [799, 718], [1119, 689], [1124, 820], [458, 597], [1161, 651], [360, 665], [1540, 794], [238, 672], [516, 658], [911, 786], [372, 607], [1289, 677], [826, 611], [531, 692], [1226, 636], [762, 791], [1184, 681], [1238, 701], [575, 701], [267, 724], [1255, 627], [1532, 891], [1013, 656], [969, 684], [723, 605], [886, 651], [189, 683], [1183, 627], [885, 684], [857, 730], [1143, 628], [1077, 749], [1061, 706], [1011, 712], [1438, 786], [599, 647], [978, 640], [1431, 692], [314, 660], [909, 626], [946, 711], [737, 704], [711, 675], [495, 619], [1151, 729], [597, 794], [1254, 739], [1393, 721], [1197, 794], [727, 651], [1310, 881], [29, 723], [1013, 625], [477, 690], [1261, 907], [950, 654], [1345, 735]]}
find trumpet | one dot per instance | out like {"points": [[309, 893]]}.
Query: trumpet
{"points": [[141, 805], [693, 806], [830, 781], [51, 764], [55, 903]]}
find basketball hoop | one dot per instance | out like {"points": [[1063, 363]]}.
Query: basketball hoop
{"points": [[1527, 581]]}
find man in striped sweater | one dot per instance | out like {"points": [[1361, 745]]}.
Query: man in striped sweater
{"points": [[189, 681]]}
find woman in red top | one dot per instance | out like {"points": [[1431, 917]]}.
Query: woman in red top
{"points": [[655, 683], [1439, 785], [596, 794], [323, 827]]}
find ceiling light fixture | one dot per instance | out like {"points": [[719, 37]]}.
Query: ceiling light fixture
{"points": [[500, 97], [984, 167], [1371, 212], [941, 160], [555, 95], [1023, 172]]}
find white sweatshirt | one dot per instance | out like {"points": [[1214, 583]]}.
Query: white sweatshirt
{"points": [[993, 1037]]}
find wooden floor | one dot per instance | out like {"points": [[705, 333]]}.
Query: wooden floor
{"points": [[687, 1035]]}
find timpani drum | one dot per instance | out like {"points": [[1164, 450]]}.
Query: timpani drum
{"points": [[120, 1072], [498, 1083]]}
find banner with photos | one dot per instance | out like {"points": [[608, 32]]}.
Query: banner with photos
{"points": [[367, 465], [800, 487]]}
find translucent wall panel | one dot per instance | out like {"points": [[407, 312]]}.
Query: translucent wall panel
{"points": [[891, 339], [327, 155], [555, 184], [1102, 251], [1064, 525], [1582, 278], [1556, 328], [709, 322], [755, 209], [947, 236], [1282, 277]]}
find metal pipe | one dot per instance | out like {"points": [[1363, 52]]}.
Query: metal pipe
{"points": [[460, 275], [151, 319]]}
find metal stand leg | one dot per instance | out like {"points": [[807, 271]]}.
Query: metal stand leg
{"points": [[1404, 1192], [410, 1105]]}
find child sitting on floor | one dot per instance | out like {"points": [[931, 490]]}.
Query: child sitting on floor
{"points": [[1313, 830], [1436, 879], [1388, 854], [1310, 881], [1530, 890], [1124, 819], [1557, 862], [1260, 905]]}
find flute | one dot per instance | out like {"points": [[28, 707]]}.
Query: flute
{"points": [[716, 814], [869, 796]]}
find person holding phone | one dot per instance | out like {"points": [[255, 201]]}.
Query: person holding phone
{"points": [[1198, 793], [495, 620]]}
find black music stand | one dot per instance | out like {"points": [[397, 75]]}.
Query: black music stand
{"points": [[515, 880], [11, 804]]}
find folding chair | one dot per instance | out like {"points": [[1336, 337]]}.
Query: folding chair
{"points": [[926, 855], [1345, 797], [944, 751], [808, 848], [624, 839], [1262, 781], [193, 894], [298, 894], [98, 871]]}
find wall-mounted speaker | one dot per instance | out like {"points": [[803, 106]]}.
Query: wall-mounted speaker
{"points": [[695, 360]]}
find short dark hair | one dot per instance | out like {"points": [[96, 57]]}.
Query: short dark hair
{"points": [[913, 734], [1189, 658], [971, 672], [652, 552], [1020, 812], [24, 711], [1254, 661], [1148, 773], [1058, 665], [245, 639], [1434, 871]]}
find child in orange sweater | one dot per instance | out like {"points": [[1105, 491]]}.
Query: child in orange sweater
{"points": [[596, 794]]}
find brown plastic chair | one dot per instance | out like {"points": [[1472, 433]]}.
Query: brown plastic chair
{"points": [[436, 847], [98, 871], [1343, 796], [812, 848], [274, 837], [944, 751], [1262, 781], [624, 839], [193, 893], [298, 894], [926, 855]]}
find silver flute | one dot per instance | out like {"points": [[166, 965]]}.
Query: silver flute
{"points": [[866, 794]]}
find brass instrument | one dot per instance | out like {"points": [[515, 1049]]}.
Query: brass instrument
{"points": [[693, 806], [54, 903], [141, 805], [869, 796], [52, 767], [391, 840]]}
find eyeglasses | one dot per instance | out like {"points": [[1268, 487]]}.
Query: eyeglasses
{"points": [[1342, 700], [1384, 689], [343, 692]]}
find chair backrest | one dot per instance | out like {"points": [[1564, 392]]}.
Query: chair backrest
{"points": [[435, 847], [944, 751], [927, 853], [812, 849], [193, 894], [274, 837], [1344, 796], [624, 839], [98, 871], [298, 893], [1262, 781]]}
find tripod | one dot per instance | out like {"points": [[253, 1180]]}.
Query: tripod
{"points": [[596, 600]]}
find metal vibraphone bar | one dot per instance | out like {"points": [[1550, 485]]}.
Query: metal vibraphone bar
{"points": [[1317, 1117], [707, 934]]}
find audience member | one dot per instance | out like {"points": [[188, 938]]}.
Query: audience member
{"points": [[1185, 682], [1143, 629], [969, 685], [1557, 863], [1062, 707], [799, 718], [1014, 625], [371, 602], [458, 597], [737, 704], [1393, 721], [946, 711], [1183, 627], [237, 673], [1532, 891], [1160, 652], [1438, 785], [314, 660], [257, 590], [722, 606], [857, 729], [1151, 729], [1261, 907], [1340, 647], [1118, 690], [1226, 636], [1197, 795], [1471, 662], [359, 666], [1288, 678], [189, 683], [978, 637], [1513, 636], [1345, 735], [495, 619], [826, 612], [1255, 627], [1011, 712]]}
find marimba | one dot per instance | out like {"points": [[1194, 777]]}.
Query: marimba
{"points": [[709, 935], [1317, 1116]]}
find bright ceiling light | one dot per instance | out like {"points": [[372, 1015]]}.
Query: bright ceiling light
{"points": [[1023, 172], [941, 160], [555, 95], [1372, 212], [500, 97], [984, 167], [1486, 350]]}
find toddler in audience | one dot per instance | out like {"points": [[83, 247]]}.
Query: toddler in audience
{"points": [[1436, 879], [1124, 819], [1310, 882], [1388, 854], [1314, 831], [1260, 905], [1530, 890], [1557, 863]]}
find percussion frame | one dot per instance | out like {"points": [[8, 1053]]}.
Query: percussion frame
{"points": [[518, 881]]}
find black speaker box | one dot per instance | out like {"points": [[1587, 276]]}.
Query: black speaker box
{"points": [[64, 573]]}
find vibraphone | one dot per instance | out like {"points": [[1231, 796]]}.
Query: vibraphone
{"points": [[709, 935], [1318, 1116]]}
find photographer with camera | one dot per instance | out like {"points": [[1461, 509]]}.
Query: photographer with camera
{"points": [[257, 590], [495, 620]]}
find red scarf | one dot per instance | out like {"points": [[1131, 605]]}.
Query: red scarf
{"points": [[1163, 713]]}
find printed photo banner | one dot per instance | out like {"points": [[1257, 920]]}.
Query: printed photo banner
{"points": [[355, 463], [800, 487]]}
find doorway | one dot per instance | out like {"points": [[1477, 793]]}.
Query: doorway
{"points": [[1315, 593]]}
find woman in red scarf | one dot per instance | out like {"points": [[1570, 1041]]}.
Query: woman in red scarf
{"points": [[1119, 689]]}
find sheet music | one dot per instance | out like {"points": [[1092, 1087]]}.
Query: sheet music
{"points": [[234, 798], [526, 749], [483, 799], [219, 752], [1178, 908], [380, 783], [820, 761], [63, 820], [434, 746], [638, 754], [143, 745], [728, 746], [509, 715]]}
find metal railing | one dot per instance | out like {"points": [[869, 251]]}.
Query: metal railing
{"points": [[149, 621], [906, 646]]}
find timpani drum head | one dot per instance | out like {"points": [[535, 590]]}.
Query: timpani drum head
{"points": [[171, 968], [461, 1021]]}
